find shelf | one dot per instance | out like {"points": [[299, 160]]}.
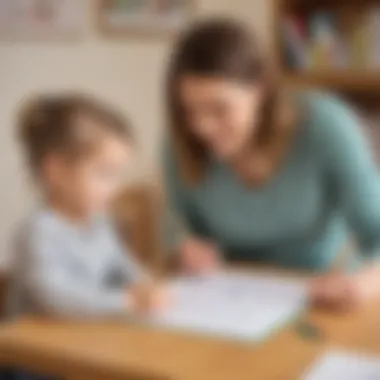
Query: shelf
{"points": [[316, 4], [354, 82], [361, 85]]}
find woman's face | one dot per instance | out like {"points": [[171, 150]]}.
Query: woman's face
{"points": [[221, 113]]}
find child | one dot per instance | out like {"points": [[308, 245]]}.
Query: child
{"points": [[68, 261]]}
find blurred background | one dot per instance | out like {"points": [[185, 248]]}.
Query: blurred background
{"points": [[118, 50], [125, 68]]}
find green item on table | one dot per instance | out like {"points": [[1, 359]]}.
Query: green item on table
{"points": [[309, 331]]}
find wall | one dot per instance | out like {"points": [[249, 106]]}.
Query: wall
{"points": [[126, 72]]}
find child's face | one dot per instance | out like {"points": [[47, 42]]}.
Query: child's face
{"points": [[89, 184]]}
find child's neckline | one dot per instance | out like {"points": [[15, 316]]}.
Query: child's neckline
{"points": [[71, 223]]}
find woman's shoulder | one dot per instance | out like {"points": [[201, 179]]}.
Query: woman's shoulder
{"points": [[326, 117], [167, 150], [321, 106], [170, 160]]}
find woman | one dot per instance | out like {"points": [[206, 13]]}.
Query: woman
{"points": [[261, 175]]}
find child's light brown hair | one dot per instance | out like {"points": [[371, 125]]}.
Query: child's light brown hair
{"points": [[66, 123]]}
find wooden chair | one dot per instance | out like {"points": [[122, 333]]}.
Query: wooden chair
{"points": [[137, 213], [4, 281]]}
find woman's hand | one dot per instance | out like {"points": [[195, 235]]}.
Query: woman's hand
{"points": [[147, 297], [344, 291], [199, 256]]}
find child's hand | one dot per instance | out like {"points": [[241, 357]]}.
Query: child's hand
{"points": [[199, 256], [148, 297], [343, 291]]}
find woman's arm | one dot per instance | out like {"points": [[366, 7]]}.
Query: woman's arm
{"points": [[353, 174], [355, 182], [188, 248], [175, 226]]}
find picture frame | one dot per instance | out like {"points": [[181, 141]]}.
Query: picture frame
{"points": [[143, 17], [42, 19]]}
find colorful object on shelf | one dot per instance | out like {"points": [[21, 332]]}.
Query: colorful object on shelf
{"points": [[323, 39], [341, 39], [294, 49], [374, 37]]}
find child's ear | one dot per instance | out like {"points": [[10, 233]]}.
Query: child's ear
{"points": [[54, 169]]}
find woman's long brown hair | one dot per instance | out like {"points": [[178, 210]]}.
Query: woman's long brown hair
{"points": [[222, 49]]}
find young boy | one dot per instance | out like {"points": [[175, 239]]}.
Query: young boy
{"points": [[68, 260]]}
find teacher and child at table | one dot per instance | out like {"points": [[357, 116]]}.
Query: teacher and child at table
{"points": [[255, 173]]}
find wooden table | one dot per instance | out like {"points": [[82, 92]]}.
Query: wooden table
{"points": [[94, 351]]}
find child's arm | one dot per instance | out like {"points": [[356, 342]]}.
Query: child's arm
{"points": [[144, 295], [59, 289], [58, 292]]}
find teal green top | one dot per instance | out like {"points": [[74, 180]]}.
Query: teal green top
{"points": [[326, 192]]}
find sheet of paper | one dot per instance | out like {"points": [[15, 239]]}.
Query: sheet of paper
{"points": [[336, 365], [233, 305]]}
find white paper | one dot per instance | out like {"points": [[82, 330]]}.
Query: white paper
{"points": [[233, 305], [336, 365]]}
